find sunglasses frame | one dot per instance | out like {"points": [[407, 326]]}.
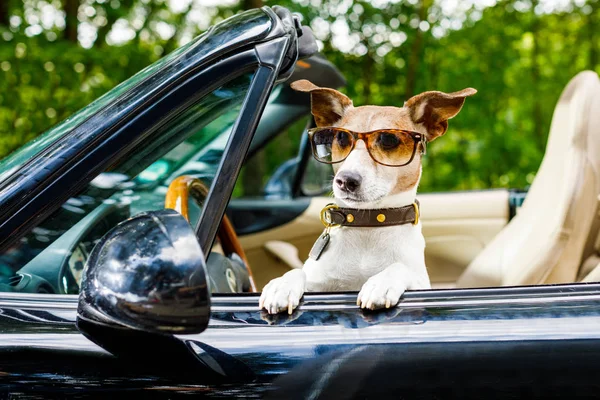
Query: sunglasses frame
{"points": [[364, 136]]}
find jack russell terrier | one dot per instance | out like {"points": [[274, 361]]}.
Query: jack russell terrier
{"points": [[376, 245]]}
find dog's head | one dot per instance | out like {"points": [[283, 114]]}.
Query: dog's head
{"points": [[360, 181]]}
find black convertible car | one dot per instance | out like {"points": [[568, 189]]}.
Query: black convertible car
{"points": [[140, 185]]}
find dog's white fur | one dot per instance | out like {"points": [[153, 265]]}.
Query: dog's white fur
{"points": [[382, 262]]}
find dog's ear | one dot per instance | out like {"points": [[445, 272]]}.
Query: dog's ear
{"points": [[327, 105], [432, 110]]}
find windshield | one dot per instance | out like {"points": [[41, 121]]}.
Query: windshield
{"points": [[51, 257], [218, 39], [20, 156]]}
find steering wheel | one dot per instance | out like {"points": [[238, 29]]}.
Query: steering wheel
{"points": [[177, 199]]}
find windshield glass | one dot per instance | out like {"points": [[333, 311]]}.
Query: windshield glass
{"points": [[237, 29], [50, 258], [20, 156]]}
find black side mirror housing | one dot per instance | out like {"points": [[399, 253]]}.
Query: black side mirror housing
{"points": [[147, 274]]}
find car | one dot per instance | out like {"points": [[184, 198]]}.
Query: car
{"points": [[137, 188], [110, 193]]}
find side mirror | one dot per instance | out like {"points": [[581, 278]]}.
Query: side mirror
{"points": [[148, 274]]}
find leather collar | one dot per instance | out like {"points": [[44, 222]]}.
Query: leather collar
{"points": [[332, 215]]}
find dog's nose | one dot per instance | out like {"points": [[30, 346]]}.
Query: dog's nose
{"points": [[348, 181]]}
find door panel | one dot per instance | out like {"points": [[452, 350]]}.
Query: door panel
{"points": [[456, 226], [526, 342], [260, 214], [301, 232]]}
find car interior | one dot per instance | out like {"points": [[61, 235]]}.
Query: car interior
{"points": [[471, 239], [481, 238]]}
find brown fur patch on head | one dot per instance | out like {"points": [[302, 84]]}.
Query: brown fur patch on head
{"points": [[432, 110], [427, 113], [371, 118], [327, 105]]}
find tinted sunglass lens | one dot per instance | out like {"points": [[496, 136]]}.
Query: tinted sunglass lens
{"points": [[388, 141], [342, 140], [331, 145], [322, 141], [342, 146], [394, 148]]}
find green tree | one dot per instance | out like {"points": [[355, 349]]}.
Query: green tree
{"points": [[519, 54]]}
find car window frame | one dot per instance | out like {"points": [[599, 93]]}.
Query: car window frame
{"points": [[253, 25], [475, 298], [271, 56], [111, 144], [475, 322], [268, 61]]}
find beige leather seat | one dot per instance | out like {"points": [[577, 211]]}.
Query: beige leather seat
{"points": [[555, 229], [590, 269]]}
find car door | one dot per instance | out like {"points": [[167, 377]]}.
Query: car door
{"points": [[531, 342]]}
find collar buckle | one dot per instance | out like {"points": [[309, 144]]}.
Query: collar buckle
{"points": [[326, 217], [416, 207]]}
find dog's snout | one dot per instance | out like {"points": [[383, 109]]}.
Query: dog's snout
{"points": [[348, 181]]}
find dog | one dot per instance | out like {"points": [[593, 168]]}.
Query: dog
{"points": [[375, 182]]}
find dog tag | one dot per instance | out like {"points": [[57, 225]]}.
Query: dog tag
{"points": [[319, 246]]}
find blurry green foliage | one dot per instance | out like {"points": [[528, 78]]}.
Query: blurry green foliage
{"points": [[42, 84], [519, 55]]}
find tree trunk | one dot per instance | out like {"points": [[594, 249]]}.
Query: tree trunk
{"points": [[71, 8], [415, 53], [111, 17], [250, 4], [4, 13]]}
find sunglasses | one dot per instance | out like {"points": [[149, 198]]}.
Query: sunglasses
{"points": [[389, 147]]}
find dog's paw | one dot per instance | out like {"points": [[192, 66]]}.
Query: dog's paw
{"points": [[283, 293], [380, 291]]}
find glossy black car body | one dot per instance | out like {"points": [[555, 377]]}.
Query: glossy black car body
{"points": [[526, 342]]}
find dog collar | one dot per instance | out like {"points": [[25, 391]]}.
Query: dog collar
{"points": [[332, 215]]}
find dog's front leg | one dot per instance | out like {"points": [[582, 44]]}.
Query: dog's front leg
{"points": [[283, 293], [385, 288]]}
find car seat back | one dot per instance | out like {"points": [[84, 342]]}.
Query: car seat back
{"points": [[556, 227]]}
